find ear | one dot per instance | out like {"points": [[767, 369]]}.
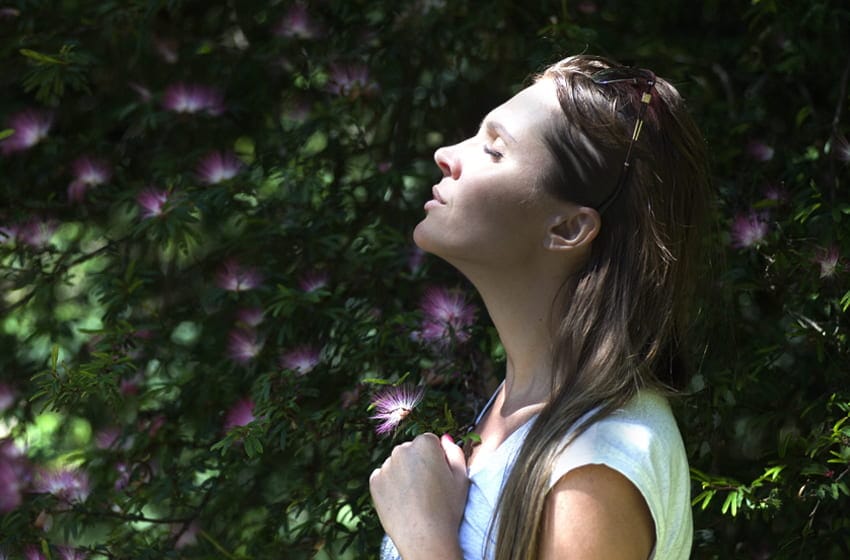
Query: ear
{"points": [[574, 229]]}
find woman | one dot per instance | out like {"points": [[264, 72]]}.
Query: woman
{"points": [[577, 212]]}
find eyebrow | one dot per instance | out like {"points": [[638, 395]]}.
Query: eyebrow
{"points": [[497, 129]]}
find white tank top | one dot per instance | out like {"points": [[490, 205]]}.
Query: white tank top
{"points": [[641, 441]]}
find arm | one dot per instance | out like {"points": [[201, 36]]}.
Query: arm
{"points": [[420, 494], [596, 513]]}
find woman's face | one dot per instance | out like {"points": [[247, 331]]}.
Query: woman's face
{"points": [[490, 206]]}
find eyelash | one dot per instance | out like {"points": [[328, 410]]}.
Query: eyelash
{"points": [[493, 153]]}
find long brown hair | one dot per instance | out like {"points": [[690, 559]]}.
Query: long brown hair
{"points": [[625, 313]]}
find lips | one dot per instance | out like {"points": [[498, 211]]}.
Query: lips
{"points": [[436, 194]]}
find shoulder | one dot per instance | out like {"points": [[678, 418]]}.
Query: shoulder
{"points": [[586, 507], [642, 447]]}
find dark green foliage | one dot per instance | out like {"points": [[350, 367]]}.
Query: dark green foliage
{"points": [[116, 331]]}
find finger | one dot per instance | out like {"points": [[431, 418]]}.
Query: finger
{"points": [[454, 454], [373, 476]]}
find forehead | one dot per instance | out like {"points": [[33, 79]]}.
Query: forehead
{"points": [[527, 112]]}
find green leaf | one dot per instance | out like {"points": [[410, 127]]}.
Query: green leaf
{"points": [[42, 58]]}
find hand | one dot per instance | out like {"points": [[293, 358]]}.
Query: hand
{"points": [[420, 494]]}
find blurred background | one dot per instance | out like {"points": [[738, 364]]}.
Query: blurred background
{"points": [[208, 286]]}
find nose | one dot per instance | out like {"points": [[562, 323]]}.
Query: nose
{"points": [[448, 162]]}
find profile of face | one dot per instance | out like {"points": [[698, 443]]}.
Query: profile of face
{"points": [[491, 207]]}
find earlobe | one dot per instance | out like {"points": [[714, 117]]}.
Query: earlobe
{"points": [[575, 229]]}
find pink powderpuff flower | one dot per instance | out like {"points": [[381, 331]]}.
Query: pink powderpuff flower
{"points": [[447, 315], [70, 553], [827, 259], [296, 23], [240, 414], [243, 346], [31, 552], [748, 230], [88, 172], [11, 487], [393, 405], [313, 280], [250, 316], [37, 233], [67, 484], [234, 277], [151, 202], [350, 79], [31, 127], [193, 98], [7, 397], [216, 167], [759, 151], [302, 360]]}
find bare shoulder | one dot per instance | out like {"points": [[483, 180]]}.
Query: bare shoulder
{"points": [[594, 512]]}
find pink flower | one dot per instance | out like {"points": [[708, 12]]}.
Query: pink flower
{"points": [[70, 553], [828, 261], [313, 280], [393, 405], [447, 315], [234, 277], [151, 201], [67, 484], [7, 398], [301, 360], [350, 79], [12, 485], [297, 23], [243, 346], [31, 552], [37, 233], [250, 316], [31, 127], [88, 172], [123, 479], [759, 151], [193, 98], [216, 167], [240, 414], [748, 230]]}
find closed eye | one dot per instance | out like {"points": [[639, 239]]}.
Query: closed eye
{"points": [[495, 154]]}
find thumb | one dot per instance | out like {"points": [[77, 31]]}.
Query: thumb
{"points": [[454, 454]]}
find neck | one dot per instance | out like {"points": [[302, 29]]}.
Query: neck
{"points": [[521, 303]]}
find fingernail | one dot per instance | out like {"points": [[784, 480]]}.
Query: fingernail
{"points": [[448, 437]]}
